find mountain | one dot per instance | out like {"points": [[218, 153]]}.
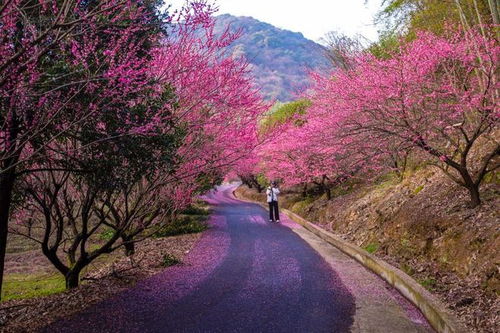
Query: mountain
{"points": [[280, 59]]}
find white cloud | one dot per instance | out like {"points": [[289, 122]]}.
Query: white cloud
{"points": [[313, 18]]}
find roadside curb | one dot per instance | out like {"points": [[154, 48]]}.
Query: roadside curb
{"points": [[433, 310]]}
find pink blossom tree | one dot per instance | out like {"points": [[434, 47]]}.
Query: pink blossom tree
{"points": [[436, 95], [144, 154], [61, 62]]}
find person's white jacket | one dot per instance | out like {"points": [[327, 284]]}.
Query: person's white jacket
{"points": [[272, 194]]}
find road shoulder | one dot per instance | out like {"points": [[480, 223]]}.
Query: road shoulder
{"points": [[379, 308]]}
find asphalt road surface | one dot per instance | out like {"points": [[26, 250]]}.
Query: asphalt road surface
{"points": [[244, 275]]}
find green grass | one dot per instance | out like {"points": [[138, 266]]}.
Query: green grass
{"points": [[169, 260], [192, 220], [188, 224], [405, 242], [386, 180], [371, 248], [299, 207], [407, 269], [195, 210], [107, 234], [21, 286], [428, 283], [19, 244], [418, 189], [492, 178], [343, 189]]}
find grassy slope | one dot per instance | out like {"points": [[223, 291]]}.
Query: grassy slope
{"points": [[29, 274]]}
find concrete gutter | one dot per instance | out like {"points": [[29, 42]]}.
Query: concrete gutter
{"points": [[433, 310]]}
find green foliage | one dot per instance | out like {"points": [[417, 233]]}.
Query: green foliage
{"points": [[372, 247], [407, 17], [385, 47], [262, 180], [187, 224], [207, 180], [144, 153], [169, 260], [281, 113], [21, 286], [402, 20]]}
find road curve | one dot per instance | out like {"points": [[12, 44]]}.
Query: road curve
{"points": [[244, 275]]}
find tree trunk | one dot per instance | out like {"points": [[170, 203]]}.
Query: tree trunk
{"points": [[72, 279], [494, 11], [7, 178], [474, 196], [328, 193], [472, 187], [129, 248], [6, 187], [304, 191], [128, 245]]}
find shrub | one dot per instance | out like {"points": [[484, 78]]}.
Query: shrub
{"points": [[169, 260]]}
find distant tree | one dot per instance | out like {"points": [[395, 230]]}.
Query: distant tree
{"points": [[340, 49], [282, 114], [410, 16]]}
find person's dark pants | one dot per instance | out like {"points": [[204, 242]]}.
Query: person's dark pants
{"points": [[274, 214]]}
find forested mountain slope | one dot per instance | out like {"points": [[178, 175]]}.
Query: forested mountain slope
{"points": [[280, 59]]}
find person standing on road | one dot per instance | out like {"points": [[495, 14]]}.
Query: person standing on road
{"points": [[272, 199]]}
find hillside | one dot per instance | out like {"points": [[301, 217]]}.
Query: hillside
{"points": [[423, 226], [280, 59]]}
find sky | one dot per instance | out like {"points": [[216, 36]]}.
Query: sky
{"points": [[313, 18]]}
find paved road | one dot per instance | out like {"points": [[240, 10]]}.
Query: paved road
{"points": [[244, 275]]}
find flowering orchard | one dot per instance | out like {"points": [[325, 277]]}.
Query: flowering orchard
{"points": [[436, 96], [112, 118]]}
